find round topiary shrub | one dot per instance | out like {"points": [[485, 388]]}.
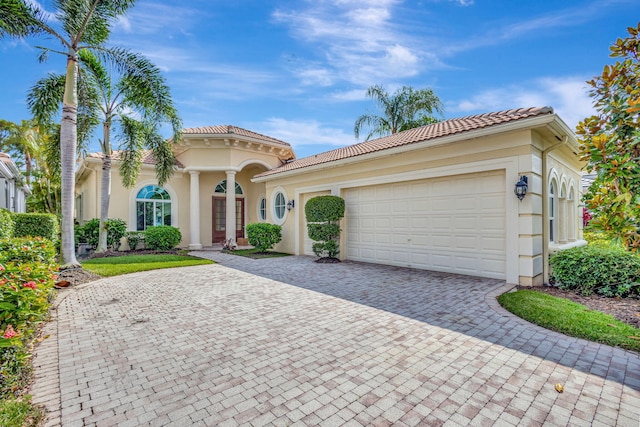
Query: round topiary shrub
{"points": [[323, 214], [162, 237], [263, 236]]}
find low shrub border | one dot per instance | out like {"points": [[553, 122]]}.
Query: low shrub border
{"points": [[27, 274], [609, 271]]}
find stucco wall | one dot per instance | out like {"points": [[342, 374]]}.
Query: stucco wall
{"points": [[517, 153]]}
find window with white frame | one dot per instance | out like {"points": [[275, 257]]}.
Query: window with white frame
{"points": [[279, 206], [153, 207], [262, 208], [553, 209]]}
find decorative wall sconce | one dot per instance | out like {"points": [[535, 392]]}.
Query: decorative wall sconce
{"points": [[291, 204], [521, 187]]}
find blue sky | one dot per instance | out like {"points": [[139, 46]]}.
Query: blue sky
{"points": [[298, 70]]}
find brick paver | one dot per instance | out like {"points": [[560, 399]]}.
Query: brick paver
{"points": [[287, 341]]}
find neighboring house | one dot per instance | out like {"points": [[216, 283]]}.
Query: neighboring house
{"points": [[439, 197], [13, 191]]}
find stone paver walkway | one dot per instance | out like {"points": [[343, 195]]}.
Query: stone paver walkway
{"points": [[287, 341]]}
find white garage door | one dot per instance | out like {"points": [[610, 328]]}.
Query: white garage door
{"points": [[454, 224]]}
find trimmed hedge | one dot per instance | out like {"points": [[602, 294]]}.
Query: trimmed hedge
{"points": [[608, 271], [263, 236], [36, 225], [6, 224], [324, 208], [162, 237]]}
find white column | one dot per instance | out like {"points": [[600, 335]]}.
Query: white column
{"points": [[563, 221], [230, 224], [194, 211], [573, 220]]}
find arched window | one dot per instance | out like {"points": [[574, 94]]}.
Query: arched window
{"points": [[221, 188], [153, 207], [553, 209], [262, 209]]}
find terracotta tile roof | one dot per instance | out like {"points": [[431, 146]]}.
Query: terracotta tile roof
{"points": [[425, 133], [229, 130], [147, 157]]}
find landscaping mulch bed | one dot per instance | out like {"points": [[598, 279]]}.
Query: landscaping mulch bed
{"points": [[76, 276], [626, 310]]}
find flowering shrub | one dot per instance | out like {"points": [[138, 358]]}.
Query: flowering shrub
{"points": [[27, 274], [27, 249]]}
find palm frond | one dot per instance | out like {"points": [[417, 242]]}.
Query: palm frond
{"points": [[45, 97], [20, 19], [405, 109], [89, 21]]}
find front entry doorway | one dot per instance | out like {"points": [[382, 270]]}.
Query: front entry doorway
{"points": [[219, 219]]}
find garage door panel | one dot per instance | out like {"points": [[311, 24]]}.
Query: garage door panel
{"points": [[453, 224]]}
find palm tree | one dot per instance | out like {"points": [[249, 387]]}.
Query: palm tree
{"points": [[45, 185], [78, 24], [23, 141], [130, 106], [405, 109]]}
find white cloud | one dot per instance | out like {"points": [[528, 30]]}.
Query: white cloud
{"points": [[350, 95], [357, 40], [316, 76], [498, 34], [149, 18], [303, 132], [567, 95]]}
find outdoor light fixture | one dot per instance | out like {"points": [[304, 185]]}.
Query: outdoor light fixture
{"points": [[521, 187], [291, 204]]}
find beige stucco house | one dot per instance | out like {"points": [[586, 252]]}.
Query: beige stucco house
{"points": [[440, 197]]}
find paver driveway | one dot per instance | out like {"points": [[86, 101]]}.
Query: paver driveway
{"points": [[290, 342]]}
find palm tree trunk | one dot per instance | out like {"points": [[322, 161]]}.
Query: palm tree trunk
{"points": [[68, 143], [105, 188]]}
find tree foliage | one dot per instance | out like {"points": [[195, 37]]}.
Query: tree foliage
{"points": [[75, 26], [406, 108], [263, 236], [323, 214], [611, 145], [129, 107]]}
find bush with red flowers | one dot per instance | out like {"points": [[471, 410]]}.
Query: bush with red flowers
{"points": [[27, 274]]}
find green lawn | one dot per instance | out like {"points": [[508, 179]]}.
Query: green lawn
{"points": [[114, 266], [570, 318], [19, 413]]}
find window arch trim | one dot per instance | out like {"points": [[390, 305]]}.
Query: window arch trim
{"points": [[175, 203], [221, 188]]}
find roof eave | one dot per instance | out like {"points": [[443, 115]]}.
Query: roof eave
{"points": [[526, 123], [234, 136]]}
